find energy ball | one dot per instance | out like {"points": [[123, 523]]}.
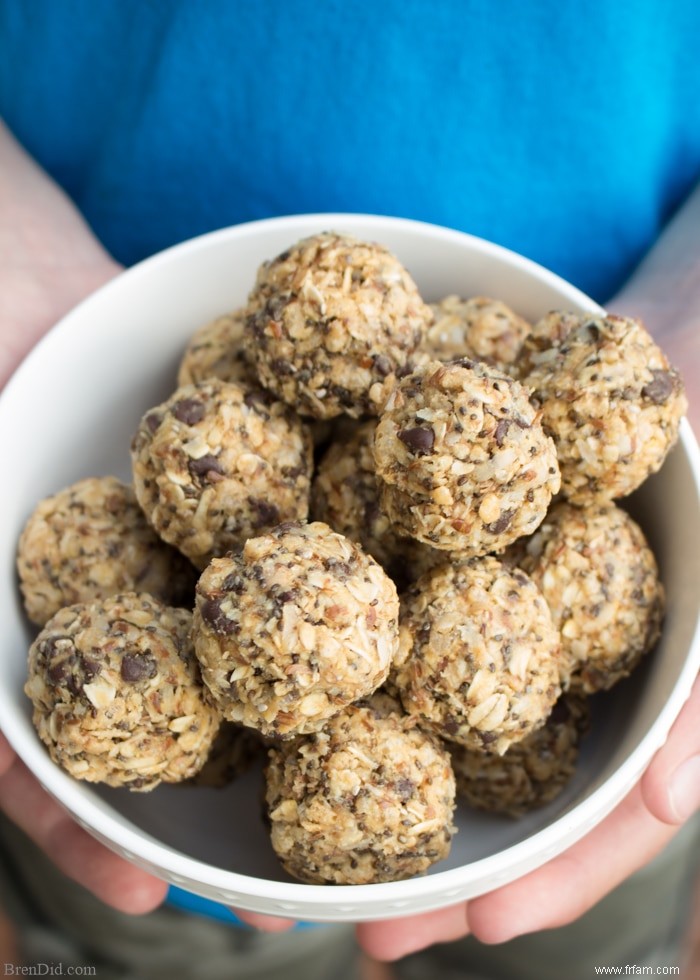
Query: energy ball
{"points": [[601, 583], [479, 654], [218, 463], [532, 772], [91, 541], [345, 495], [117, 693], [331, 320], [480, 328], [369, 798], [216, 351], [609, 399], [462, 461], [294, 628]]}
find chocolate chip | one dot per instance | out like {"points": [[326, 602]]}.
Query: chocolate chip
{"points": [[266, 514], [189, 410], [498, 526], [58, 672], [501, 432], [138, 667], [660, 388], [418, 441], [212, 614], [205, 465], [153, 420]]}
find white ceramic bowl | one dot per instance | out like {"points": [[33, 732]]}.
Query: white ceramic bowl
{"points": [[70, 412]]}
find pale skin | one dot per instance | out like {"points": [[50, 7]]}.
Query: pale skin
{"points": [[49, 261]]}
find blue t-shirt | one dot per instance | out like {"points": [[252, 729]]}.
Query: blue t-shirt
{"points": [[569, 132]]}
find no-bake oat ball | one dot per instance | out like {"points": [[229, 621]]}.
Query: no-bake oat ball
{"points": [[216, 351], [332, 321], [91, 541], [601, 583], [218, 463], [117, 693], [295, 627], [479, 327], [479, 655], [370, 798], [345, 495], [532, 772], [461, 458], [609, 399]]}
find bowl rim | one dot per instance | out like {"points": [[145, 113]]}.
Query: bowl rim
{"points": [[268, 895]]}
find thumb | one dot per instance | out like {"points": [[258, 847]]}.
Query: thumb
{"points": [[671, 784]]}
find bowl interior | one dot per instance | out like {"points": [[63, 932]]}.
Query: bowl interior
{"points": [[70, 412]]}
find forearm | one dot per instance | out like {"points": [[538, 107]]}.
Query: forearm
{"points": [[49, 258], [665, 292]]}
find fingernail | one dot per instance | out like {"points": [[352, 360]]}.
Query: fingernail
{"points": [[684, 789]]}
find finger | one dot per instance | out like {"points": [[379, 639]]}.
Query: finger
{"points": [[671, 784], [266, 923], [393, 938], [78, 855], [562, 890], [7, 756]]}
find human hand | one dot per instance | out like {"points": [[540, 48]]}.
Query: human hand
{"points": [[566, 887], [49, 261]]}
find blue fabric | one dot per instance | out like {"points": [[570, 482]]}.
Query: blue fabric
{"points": [[569, 132]]}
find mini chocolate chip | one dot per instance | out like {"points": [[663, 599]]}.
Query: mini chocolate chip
{"points": [[660, 388], [58, 672], [215, 618], [153, 420], [233, 583], [204, 465], [498, 526], [138, 667], [501, 432], [189, 410], [90, 667], [266, 514], [418, 441]]}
